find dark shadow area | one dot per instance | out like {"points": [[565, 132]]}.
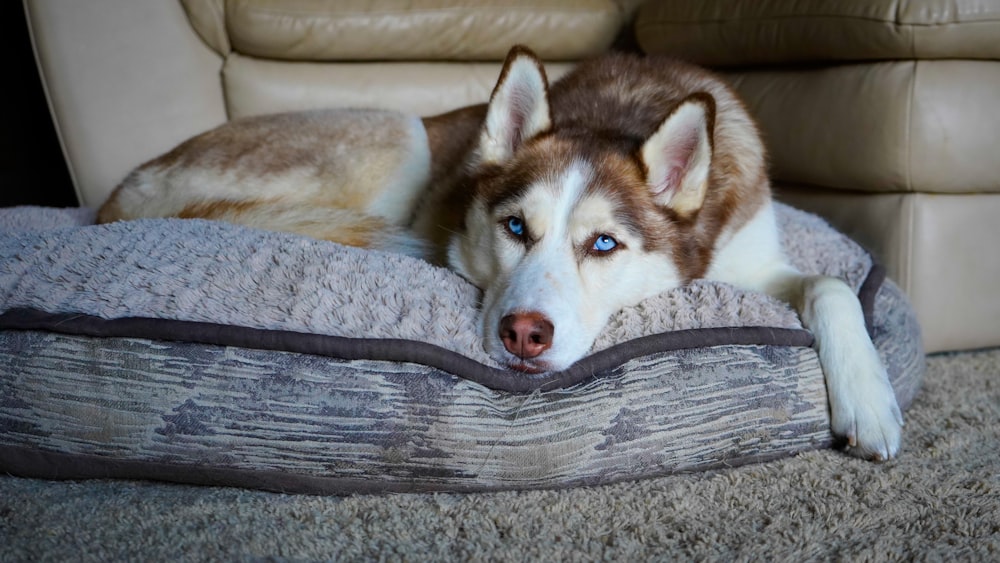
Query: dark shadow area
{"points": [[32, 167]]}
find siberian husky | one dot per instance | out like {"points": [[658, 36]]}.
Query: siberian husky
{"points": [[628, 177]]}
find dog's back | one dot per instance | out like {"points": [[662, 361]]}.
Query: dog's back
{"points": [[349, 176]]}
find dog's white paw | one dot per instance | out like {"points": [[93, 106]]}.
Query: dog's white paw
{"points": [[863, 407]]}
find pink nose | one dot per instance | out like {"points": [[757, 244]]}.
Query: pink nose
{"points": [[526, 335]]}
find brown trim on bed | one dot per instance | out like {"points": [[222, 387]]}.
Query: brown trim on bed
{"points": [[24, 461], [594, 366], [43, 464], [393, 350], [867, 292]]}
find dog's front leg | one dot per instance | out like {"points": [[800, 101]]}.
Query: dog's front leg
{"points": [[863, 406]]}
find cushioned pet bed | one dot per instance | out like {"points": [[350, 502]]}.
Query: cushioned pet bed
{"points": [[203, 352]]}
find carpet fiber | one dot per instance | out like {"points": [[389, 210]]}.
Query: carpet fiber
{"points": [[941, 499]]}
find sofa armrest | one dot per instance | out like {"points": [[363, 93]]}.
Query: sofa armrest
{"points": [[122, 97]]}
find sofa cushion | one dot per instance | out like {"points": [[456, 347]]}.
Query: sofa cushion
{"points": [[732, 32], [893, 126], [470, 30]]}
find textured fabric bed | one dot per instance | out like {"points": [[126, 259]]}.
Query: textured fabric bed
{"points": [[210, 353]]}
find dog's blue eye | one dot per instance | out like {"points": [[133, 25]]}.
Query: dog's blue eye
{"points": [[516, 226], [604, 243]]}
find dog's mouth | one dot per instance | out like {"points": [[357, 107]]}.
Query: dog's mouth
{"points": [[528, 367]]}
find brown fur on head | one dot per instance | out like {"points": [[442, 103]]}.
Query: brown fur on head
{"points": [[669, 127]]}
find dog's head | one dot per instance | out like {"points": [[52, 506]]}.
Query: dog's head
{"points": [[569, 224]]}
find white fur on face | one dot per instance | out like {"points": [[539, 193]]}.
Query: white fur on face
{"points": [[553, 273]]}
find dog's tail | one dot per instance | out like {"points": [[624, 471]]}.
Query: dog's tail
{"points": [[343, 226]]}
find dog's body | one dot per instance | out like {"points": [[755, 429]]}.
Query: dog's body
{"points": [[629, 177]]}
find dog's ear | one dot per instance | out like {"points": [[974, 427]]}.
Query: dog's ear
{"points": [[679, 154], [519, 106]]}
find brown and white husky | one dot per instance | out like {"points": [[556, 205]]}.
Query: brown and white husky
{"points": [[628, 177]]}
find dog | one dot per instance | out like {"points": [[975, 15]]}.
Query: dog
{"points": [[628, 177]]}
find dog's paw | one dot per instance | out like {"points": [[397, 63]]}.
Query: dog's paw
{"points": [[864, 411]]}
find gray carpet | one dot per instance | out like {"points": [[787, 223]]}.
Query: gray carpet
{"points": [[940, 500]]}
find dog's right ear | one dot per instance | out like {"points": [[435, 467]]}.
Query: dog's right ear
{"points": [[518, 109]]}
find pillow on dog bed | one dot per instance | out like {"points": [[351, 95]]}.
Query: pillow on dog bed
{"points": [[211, 353]]}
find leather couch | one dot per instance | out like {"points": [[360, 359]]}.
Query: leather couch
{"points": [[880, 115]]}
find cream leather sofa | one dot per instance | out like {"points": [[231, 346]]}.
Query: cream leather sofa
{"points": [[881, 115]]}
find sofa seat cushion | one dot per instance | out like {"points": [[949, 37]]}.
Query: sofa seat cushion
{"points": [[313, 30], [731, 32]]}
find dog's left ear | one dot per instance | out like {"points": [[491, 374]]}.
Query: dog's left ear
{"points": [[519, 106], [679, 155]]}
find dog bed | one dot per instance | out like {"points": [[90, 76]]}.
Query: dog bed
{"points": [[203, 352]]}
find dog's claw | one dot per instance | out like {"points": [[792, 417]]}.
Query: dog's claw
{"points": [[867, 417], [876, 433]]}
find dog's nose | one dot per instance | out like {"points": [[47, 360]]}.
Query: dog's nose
{"points": [[526, 335]]}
